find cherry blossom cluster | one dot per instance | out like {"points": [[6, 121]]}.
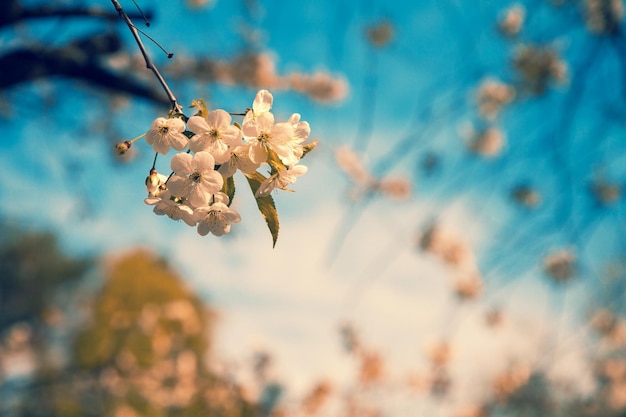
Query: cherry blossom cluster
{"points": [[212, 149]]}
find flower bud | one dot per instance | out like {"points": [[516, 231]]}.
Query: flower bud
{"points": [[153, 182], [122, 147]]}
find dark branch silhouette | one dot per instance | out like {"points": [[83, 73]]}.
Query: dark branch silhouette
{"points": [[78, 60], [13, 12]]}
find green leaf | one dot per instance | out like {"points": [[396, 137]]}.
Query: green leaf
{"points": [[229, 189], [266, 205], [309, 147], [274, 161]]}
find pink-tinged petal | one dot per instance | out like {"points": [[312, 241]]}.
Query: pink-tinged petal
{"points": [[181, 164], [302, 131], [266, 187], [176, 124], [298, 170], [160, 146], [281, 132], [197, 124], [199, 143], [231, 136], [265, 122], [151, 135], [179, 186], [186, 215], [220, 151], [285, 153], [250, 129], [158, 123], [210, 183], [203, 228], [228, 169], [258, 153], [221, 198], [198, 197], [221, 231], [248, 117], [232, 216], [246, 165], [219, 118], [179, 141], [151, 201], [294, 119], [200, 213], [204, 161], [262, 102]]}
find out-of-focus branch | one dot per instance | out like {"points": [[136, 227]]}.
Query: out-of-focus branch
{"points": [[149, 64], [13, 12], [78, 60]]}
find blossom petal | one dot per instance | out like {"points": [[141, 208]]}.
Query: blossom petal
{"points": [[220, 152], [250, 129], [265, 122], [203, 228], [179, 186], [231, 136], [198, 124], [178, 141], [160, 145], [219, 119], [302, 131], [182, 164], [262, 102], [198, 197], [203, 161], [298, 170], [258, 153], [176, 124], [211, 182], [199, 142]]}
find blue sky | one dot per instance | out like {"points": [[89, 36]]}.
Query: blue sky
{"points": [[418, 90]]}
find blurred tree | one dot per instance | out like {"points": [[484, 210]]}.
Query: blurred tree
{"points": [[142, 351], [32, 269]]}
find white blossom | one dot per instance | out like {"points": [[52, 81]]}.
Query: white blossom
{"points": [[263, 134], [239, 160], [172, 207], [214, 134], [217, 217], [195, 178], [280, 180], [165, 133]]}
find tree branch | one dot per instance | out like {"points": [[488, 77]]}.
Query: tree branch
{"points": [[149, 64]]}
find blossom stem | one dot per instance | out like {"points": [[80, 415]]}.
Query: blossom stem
{"points": [[149, 64], [137, 138], [154, 160]]}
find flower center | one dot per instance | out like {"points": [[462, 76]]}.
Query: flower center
{"points": [[195, 177], [263, 137], [214, 134], [163, 130]]}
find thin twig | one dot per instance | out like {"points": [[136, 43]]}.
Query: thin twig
{"points": [[149, 64]]}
